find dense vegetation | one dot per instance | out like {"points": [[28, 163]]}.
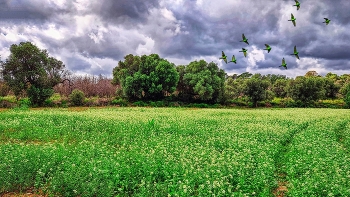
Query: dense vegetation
{"points": [[176, 152], [143, 80]]}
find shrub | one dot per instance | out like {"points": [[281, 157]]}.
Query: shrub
{"points": [[77, 97], [161, 103], [336, 103], [140, 103], [175, 104], [38, 95], [24, 103], [120, 102], [152, 104], [89, 102]]}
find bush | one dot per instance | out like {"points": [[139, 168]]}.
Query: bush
{"points": [[120, 102], [152, 104], [140, 103], [38, 95], [90, 102], [161, 103], [24, 103], [239, 102], [200, 105], [77, 97], [7, 101], [336, 103]]}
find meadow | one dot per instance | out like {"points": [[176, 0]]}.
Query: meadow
{"points": [[137, 151]]}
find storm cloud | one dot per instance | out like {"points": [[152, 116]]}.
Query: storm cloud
{"points": [[91, 36]]}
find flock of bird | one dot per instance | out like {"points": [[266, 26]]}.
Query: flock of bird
{"points": [[268, 48]]}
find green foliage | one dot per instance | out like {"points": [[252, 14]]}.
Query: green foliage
{"points": [[335, 103], [30, 69], [146, 77], [77, 97], [120, 102], [205, 81], [24, 103], [279, 88], [140, 103], [38, 96], [233, 88], [331, 88], [306, 89], [347, 99], [255, 89]]}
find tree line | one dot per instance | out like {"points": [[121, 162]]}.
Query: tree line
{"points": [[31, 71]]}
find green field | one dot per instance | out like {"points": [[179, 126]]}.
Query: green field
{"points": [[176, 152]]}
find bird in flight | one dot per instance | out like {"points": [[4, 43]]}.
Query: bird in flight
{"points": [[268, 48], [327, 21], [297, 4], [233, 59], [244, 52], [295, 52], [244, 39], [224, 57], [293, 20], [284, 64]]}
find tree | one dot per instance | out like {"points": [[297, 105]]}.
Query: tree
{"points": [[311, 73], [125, 68], [347, 95], [279, 87], [30, 69], [306, 89], [233, 88], [206, 81], [146, 77], [245, 75], [331, 89], [255, 89]]}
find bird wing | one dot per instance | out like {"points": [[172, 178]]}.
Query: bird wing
{"points": [[292, 16], [326, 19], [243, 36], [225, 60], [295, 49], [233, 58], [296, 1], [245, 53], [298, 7], [297, 56], [267, 46], [283, 62], [294, 23], [223, 54]]}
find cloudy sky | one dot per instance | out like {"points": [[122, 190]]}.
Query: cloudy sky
{"points": [[91, 36]]}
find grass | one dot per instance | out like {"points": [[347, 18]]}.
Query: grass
{"points": [[175, 152]]}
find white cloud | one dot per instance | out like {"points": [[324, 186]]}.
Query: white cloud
{"points": [[256, 55]]}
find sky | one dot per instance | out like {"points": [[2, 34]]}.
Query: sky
{"points": [[91, 36]]}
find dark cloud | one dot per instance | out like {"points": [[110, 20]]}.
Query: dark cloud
{"points": [[125, 11], [183, 30]]}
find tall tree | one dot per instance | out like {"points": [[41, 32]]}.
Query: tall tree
{"points": [[306, 89], [30, 69], [145, 77], [206, 81], [255, 89], [279, 88]]}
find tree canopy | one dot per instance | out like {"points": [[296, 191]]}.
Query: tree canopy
{"points": [[30, 69], [146, 77]]}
